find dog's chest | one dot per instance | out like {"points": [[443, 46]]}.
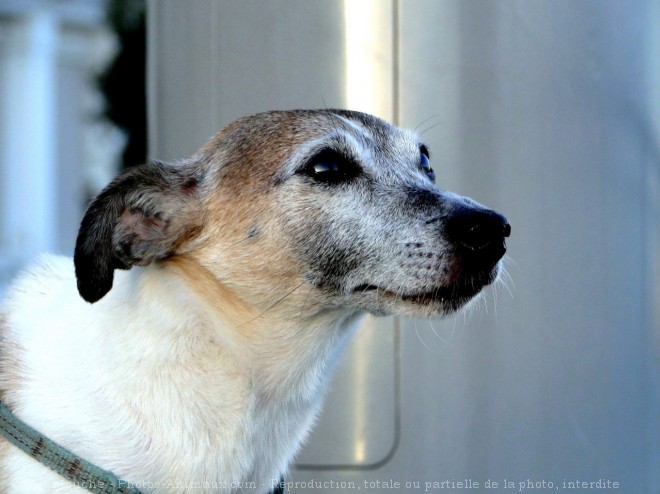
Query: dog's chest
{"points": [[246, 441], [213, 424]]}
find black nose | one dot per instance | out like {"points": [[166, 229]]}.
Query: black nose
{"points": [[478, 232]]}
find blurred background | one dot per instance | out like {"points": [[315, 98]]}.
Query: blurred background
{"points": [[546, 110]]}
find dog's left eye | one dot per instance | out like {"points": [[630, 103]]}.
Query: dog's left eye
{"points": [[331, 167], [424, 163]]}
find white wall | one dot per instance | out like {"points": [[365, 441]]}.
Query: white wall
{"points": [[547, 111]]}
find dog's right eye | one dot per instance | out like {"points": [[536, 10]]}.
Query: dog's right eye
{"points": [[331, 167], [424, 164]]}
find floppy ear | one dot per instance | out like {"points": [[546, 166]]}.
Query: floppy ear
{"points": [[142, 216]]}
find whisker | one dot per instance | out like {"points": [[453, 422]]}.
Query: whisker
{"points": [[430, 127], [332, 117], [302, 308], [274, 304], [505, 277], [509, 260], [419, 336], [435, 332], [484, 300], [453, 329], [234, 244], [427, 120]]}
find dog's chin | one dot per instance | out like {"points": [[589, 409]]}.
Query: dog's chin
{"points": [[440, 300]]}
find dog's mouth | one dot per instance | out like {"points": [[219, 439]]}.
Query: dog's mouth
{"points": [[439, 294], [447, 297]]}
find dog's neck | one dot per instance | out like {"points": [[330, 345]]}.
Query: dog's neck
{"points": [[261, 379], [289, 354]]}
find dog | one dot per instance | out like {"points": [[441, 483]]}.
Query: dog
{"points": [[215, 295]]}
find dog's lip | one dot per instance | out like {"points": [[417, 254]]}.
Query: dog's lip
{"points": [[437, 294], [463, 289]]}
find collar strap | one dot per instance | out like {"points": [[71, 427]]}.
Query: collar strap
{"points": [[67, 464], [58, 458]]}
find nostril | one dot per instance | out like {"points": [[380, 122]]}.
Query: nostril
{"points": [[479, 231], [476, 237]]}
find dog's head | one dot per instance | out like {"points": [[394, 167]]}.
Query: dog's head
{"points": [[328, 209]]}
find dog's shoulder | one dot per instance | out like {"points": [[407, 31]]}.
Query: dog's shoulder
{"points": [[47, 277], [42, 290]]}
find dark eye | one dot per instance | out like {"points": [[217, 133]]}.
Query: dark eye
{"points": [[331, 167], [424, 164]]}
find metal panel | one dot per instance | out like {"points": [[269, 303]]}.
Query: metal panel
{"points": [[360, 425]]}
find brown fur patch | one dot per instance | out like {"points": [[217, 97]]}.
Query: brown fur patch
{"points": [[215, 294], [248, 156], [234, 305], [253, 148]]}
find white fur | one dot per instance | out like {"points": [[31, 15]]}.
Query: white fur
{"points": [[159, 385]]}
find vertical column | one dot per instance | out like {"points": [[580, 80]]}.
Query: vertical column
{"points": [[28, 153], [370, 60], [652, 181]]}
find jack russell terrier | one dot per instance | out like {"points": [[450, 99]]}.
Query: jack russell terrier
{"points": [[215, 294]]}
